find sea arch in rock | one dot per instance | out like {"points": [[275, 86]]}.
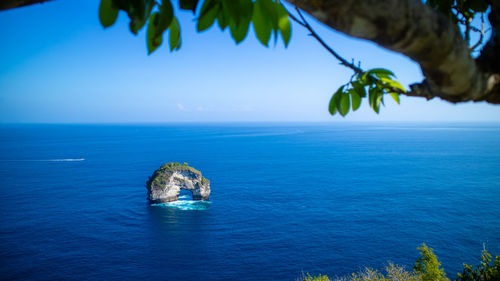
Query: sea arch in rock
{"points": [[166, 183]]}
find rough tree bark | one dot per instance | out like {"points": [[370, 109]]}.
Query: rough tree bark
{"points": [[417, 31]]}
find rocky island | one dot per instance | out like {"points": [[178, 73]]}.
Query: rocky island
{"points": [[166, 182]]}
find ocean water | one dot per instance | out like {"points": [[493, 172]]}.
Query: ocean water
{"points": [[286, 199]]}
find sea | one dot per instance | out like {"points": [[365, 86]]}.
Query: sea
{"points": [[287, 199]]}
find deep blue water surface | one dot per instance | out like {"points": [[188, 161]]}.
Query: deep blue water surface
{"points": [[286, 198]]}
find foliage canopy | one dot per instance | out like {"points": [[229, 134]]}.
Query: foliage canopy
{"points": [[427, 268], [270, 19]]}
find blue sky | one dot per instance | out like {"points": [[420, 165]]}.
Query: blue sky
{"points": [[58, 65]]}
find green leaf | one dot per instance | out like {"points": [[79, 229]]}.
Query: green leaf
{"points": [[344, 104], [153, 41], [261, 23], [393, 84], [374, 98], [360, 78], [270, 10], [479, 6], [175, 35], [355, 98], [135, 25], [239, 32], [233, 10], [188, 5], [121, 4], [138, 12], [222, 20], [359, 88], [240, 16], [380, 72], [368, 79], [208, 14], [284, 25], [158, 23], [379, 100], [395, 96], [332, 106], [207, 6], [108, 13], [166, 16], [246, 8]]}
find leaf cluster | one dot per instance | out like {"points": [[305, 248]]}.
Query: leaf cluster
{"points": [[268, 17], [428, 265], [427, 268], [487, 270], [374, 84], [392, 272]]}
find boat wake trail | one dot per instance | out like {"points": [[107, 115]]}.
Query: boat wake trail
{"points": [[47, 160]]}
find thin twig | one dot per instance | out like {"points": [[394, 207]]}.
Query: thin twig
{"points": [[480, 41], [472, 28], [305, 24], [467, 30]]}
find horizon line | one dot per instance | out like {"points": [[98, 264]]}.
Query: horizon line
{"points": [[336, 122]]}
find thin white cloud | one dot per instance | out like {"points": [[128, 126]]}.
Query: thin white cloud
{"points": [[180, 107], [199, 108]]}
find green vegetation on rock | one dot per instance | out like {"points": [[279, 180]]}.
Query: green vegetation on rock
{"points": [[160, 176], [176, 166]]}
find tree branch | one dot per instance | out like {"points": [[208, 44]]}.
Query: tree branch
{"points": [[489, 59], [481, 36], [313, 33], [10, 4], [417, 90], [422, 34]]}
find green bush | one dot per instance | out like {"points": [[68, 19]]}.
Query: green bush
{"points": [[392, 273], [308, 277], [485, 271], [428, 265], [427, 268]]}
